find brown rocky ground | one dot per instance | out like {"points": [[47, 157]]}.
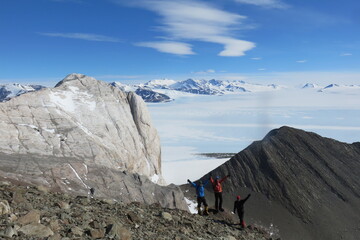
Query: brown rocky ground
{"points": [[29, 212]]}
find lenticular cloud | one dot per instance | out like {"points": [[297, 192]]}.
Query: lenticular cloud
{"points": [[184, 21]]}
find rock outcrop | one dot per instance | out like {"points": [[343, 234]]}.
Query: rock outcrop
{"points": [[84, 133], [85, 119], [57, 216], [299, 181]]}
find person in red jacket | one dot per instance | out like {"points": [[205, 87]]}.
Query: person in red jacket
{"points": [[218, 191]]}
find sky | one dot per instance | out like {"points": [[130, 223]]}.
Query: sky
{"points": [[278, 41]]}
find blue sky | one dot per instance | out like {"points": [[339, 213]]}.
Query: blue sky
{"points": [[41, 41]]}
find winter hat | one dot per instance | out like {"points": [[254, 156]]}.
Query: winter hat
{"points": [[238, 197], [217, 177]]}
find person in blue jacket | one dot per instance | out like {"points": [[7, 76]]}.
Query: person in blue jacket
{"points": [[200, 194]]}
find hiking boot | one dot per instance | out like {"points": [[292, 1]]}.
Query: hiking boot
{"points": [[206, 211], [221, 209], [199, 210], [243, 224]]}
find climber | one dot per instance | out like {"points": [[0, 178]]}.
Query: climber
{"points": [[218, 191], [200, 193], [239, 207]]}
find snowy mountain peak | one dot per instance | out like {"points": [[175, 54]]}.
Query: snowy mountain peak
{"points": [[310, 85], [331, 86], [215, 82], [9, 91], [335, 88], [123, 87], [160, 83], [75, 77]]}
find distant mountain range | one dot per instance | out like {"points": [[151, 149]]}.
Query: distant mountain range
{"points": [[161, 90], [209, 87], [9, 91]]}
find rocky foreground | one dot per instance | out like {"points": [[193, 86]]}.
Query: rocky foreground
{"points": [[28, 212]]}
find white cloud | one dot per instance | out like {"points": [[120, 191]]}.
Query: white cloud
{"points": [[261, 69], [256, 58], [83, 36], [346, 54], [301, 61], [178, 48], [265, 3], [186, 20], [206, 71]]}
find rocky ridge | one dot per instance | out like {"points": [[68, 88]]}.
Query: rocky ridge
{"points": [[35, 213], [302, 177]]}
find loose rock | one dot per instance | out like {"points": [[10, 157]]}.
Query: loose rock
{"points": [[36, 230]]}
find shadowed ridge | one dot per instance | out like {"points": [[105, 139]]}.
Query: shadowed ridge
{"points": [[72, 77], [314, 178]]}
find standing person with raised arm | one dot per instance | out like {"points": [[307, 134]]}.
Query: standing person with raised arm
{"points": [[200, 194], [218, 191], [239, 207]]}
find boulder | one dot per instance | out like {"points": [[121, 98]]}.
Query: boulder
{"points": [[31, 217], [167, 216], [36, 230], [118, 231], [97, 233], [4, 207]]}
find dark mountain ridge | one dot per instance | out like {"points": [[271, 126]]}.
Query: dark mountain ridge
{"points": [[315, 179]]}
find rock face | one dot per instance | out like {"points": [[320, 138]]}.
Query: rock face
{"points": [[102, 219], [84, 133], [314, 180], [85, 119]]}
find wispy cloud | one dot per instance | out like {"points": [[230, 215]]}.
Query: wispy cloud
{"points": [[179, 48], [256, 58], [265, 3], [186, 20], [301, 61], [346, 54], [83, 36], [261, 69], [206, 71]]}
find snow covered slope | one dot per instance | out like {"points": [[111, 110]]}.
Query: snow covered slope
{"points": [[9, 91]]}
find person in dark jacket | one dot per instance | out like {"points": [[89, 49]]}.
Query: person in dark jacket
{"points": [[218, 191], [239, 207], [200, 194]]}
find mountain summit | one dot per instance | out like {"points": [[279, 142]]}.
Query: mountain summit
{"points": [[314, 179]]}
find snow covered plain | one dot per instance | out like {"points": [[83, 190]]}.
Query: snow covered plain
{"points": [[194, 124]]}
